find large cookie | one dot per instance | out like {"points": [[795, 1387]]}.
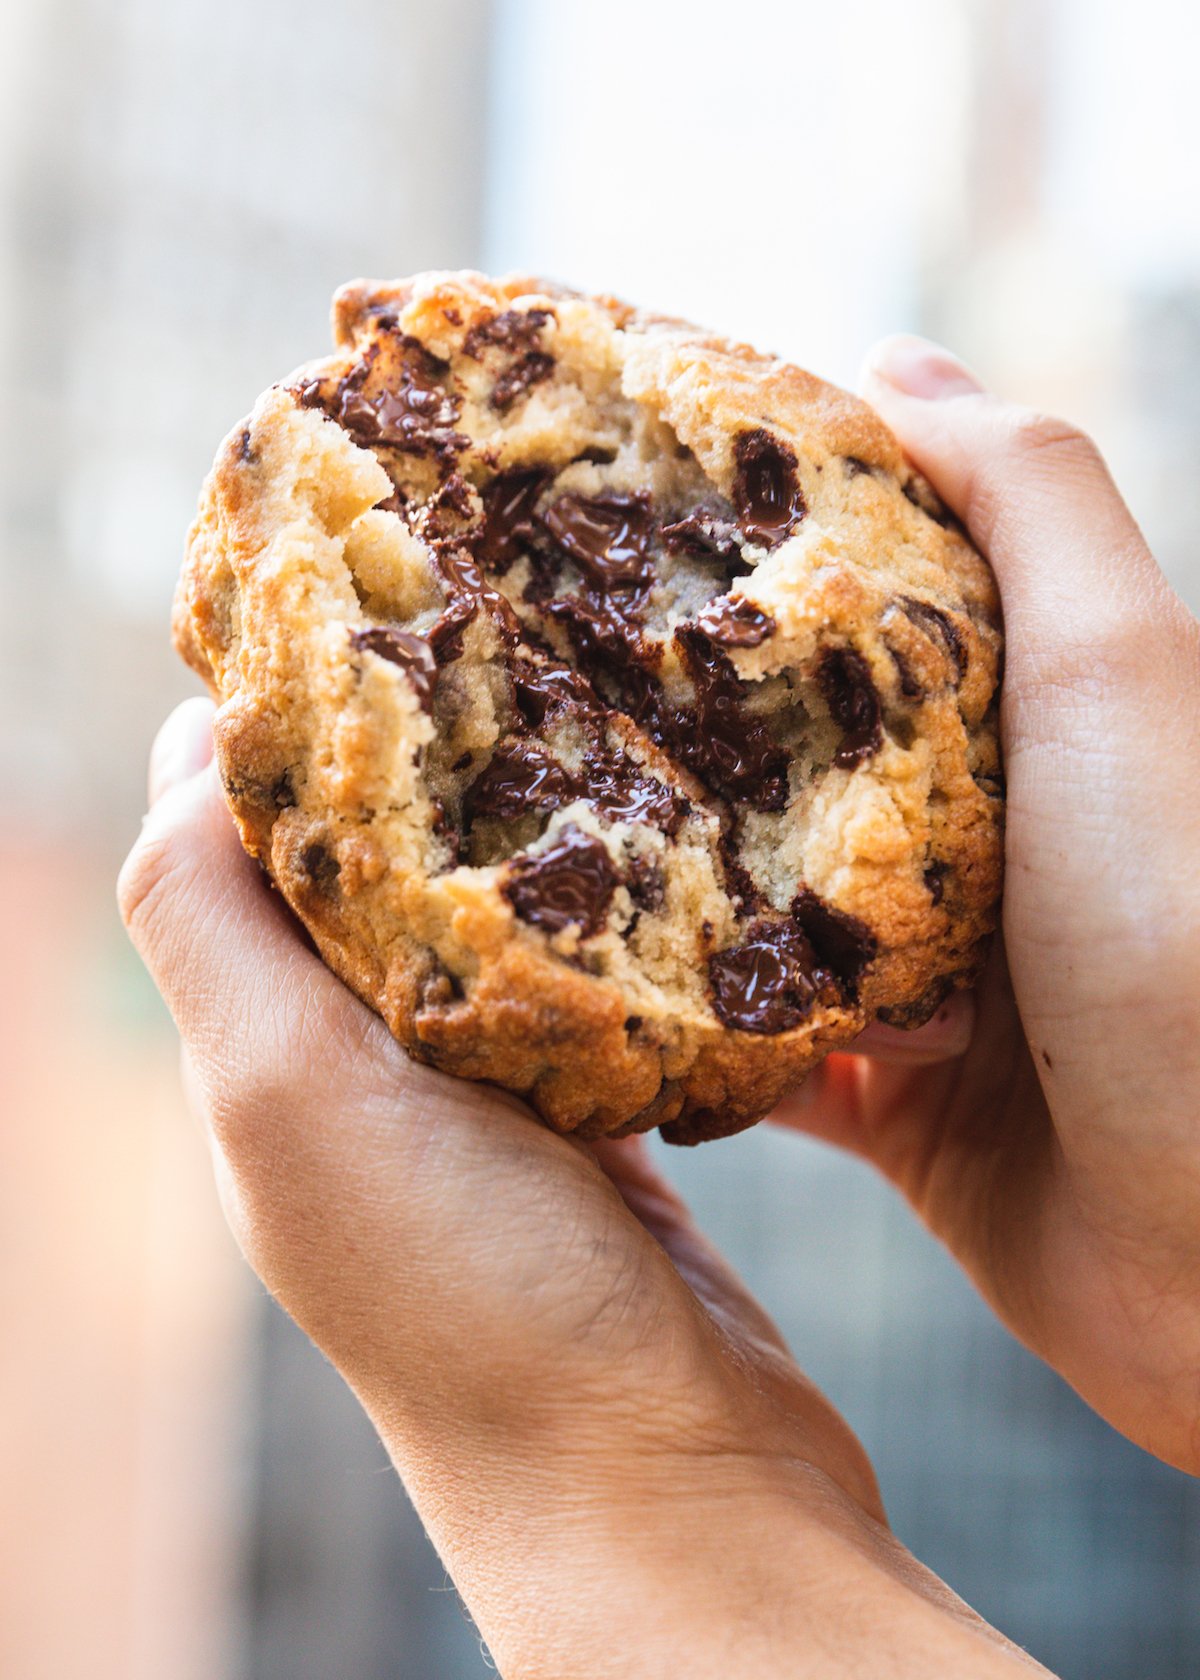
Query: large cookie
{"points": [[614, 705]]}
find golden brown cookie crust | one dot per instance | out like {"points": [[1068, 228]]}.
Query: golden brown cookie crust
{"points": [[374, 742]]}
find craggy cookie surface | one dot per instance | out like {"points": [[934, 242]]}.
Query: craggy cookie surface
{"points": [[614, 705]]}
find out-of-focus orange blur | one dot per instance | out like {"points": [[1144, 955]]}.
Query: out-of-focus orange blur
{"points": [[185, 1490]]}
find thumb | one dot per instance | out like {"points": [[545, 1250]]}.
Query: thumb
{"points": [[1099, 714], [1086, 606]]}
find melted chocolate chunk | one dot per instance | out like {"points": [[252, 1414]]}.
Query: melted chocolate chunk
{"points": [[521, 777], [611, 783], [704, 536], [939, 627], [606, 537], [570, 884], [608, 646], [394, 400], [766, 491], [508, 516], [522, 376], [850, 694], [739, 883], [246, 452], [446, 635], [524, 776], [395, 503], [412, 653], [841, 941], [856, 467], [734, 622], [731, 751], [513, 329], [453, 496], [539, 689], [467, 588], [770, 982], [935, 881]]}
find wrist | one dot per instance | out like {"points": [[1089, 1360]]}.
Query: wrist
{"points": [[714, 1565]]}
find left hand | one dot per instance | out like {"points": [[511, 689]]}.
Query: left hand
{"points": [[620, 1463]]}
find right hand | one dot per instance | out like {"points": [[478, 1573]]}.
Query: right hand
{"points": [[1049, 1133]]}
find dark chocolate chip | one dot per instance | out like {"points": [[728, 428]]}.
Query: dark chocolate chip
{"points": [[770, 982], [910, 688], [704, 536], [939, 627], [508, 512], [529, 370], [569, 884], [731, 751], [734, 622], [921, 495], [606, 537], [934, 879], [739, 883], [321, 867], [246, 452], [845, 681], [453, 496], [393, 398], [539, 689], [522, 776], [512, 329], [467, 587], [766, 491], [647, 888], [446, 634], [841, 941], [611, 783], [412, 653], [283, 794], [856, 467]]}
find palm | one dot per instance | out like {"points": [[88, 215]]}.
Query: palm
{"points": [[968, 1140]]}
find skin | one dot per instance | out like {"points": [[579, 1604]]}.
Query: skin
{"points": [[618, 1459]]}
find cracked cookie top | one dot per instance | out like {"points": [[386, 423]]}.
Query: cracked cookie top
{"points": [[615, 705]]}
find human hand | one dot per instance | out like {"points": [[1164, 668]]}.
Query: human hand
{"points": [[621, 1465], [1050, 1133]]}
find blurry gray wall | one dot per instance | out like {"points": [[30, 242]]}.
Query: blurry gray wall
{"points": [[182, 186]]}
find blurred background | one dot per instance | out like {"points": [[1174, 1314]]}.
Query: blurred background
{"points": [[185, 1489]]}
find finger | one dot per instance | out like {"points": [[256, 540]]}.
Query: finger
{"points": [[182, 747], [359, 1178], [659, 1208], [1078, 583], [945, 1035]]}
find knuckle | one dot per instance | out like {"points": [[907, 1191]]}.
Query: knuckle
{"points": [[1043, 437], [145, 881]]}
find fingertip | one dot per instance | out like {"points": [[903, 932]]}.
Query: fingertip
{"points": [[182, 747], [917, 367], [945, 1035]]}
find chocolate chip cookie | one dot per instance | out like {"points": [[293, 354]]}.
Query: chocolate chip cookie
{"points": [[614, 705]]}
